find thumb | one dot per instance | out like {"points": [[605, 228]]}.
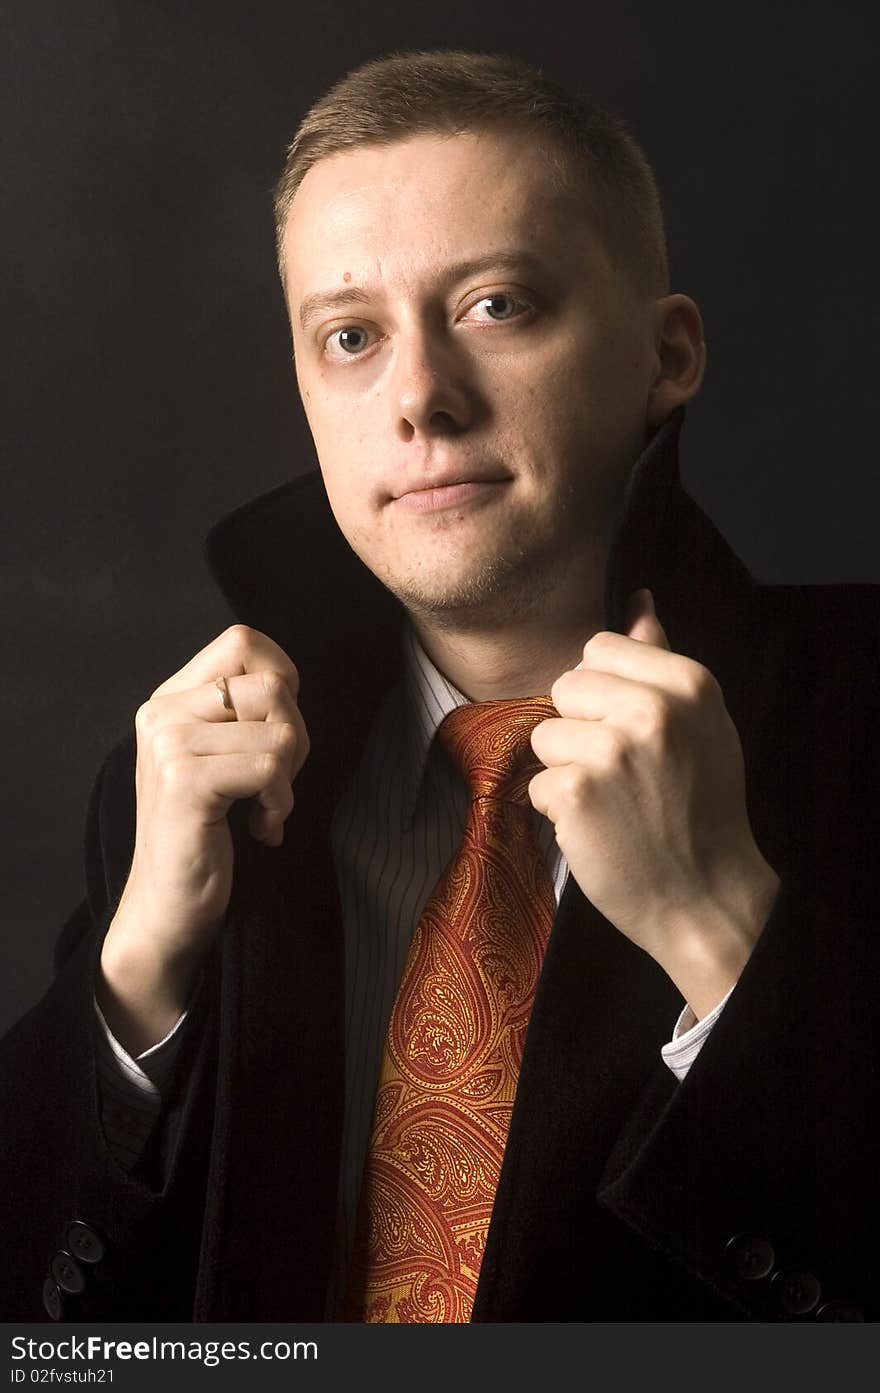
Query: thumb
{"points": [[642, 621]]}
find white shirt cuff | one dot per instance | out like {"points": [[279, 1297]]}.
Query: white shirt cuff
{"points": [[129, 1089], [149, 1070], [689, 1037]]}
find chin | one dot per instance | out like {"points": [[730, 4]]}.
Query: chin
{"points": [[498, 589]]}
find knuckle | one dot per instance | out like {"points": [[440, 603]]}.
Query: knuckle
{"points": [[597, 644], [699, 683], [561, 686], [573, 786], [274, 685], [612, 752], [175, 774], [285, 738], [650, 715], [166, 745], [269, 765], [239, 637], [144, 717]]}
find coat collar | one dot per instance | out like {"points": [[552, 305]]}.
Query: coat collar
{"points": [[285, 568], [281, 561]]}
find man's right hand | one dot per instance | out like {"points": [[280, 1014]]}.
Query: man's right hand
{"points": [[194, 759]]}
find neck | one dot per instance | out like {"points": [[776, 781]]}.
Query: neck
{"points": [[497, 656]]}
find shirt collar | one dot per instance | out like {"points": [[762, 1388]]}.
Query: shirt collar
{"points": [[429, 698]]}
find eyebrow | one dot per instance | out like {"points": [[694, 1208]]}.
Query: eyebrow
{"points": [[353, 295]]}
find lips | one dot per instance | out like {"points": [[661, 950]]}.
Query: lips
{"points": [[451, 479], [450, 496]]}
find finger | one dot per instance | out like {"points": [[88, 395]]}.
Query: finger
{"points": [[642, 661], [239, 649], [267, 824], [589, 695], [212, 765], [557, 791], [258, 697], [642, 622], [255, 696], [211, 783], [540, 792], [639, 602], [648, 629], [239, 737], [586, 743], [270, 808]]}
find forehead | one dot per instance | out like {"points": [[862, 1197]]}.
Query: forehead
{"points": [[410, 203]]}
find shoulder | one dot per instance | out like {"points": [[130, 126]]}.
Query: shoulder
{"points": [[834, 598], [814, 662], [837, 619]]}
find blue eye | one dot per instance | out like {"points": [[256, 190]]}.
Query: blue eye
{"points": [[490, 300], [342, 334]]}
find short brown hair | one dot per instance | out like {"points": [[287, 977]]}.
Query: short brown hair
{"points": [[449, 90]]}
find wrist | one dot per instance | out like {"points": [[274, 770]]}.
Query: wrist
{"points": [[142, 989], [711, 942]]}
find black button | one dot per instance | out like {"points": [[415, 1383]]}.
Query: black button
{"points": [[796, 1291], [52, 1299], [751, 1257], [68, 1274], [84, 1243], [839, 1310]]}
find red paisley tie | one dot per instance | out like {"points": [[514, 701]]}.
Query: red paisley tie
{"points": [[455, 1038]]}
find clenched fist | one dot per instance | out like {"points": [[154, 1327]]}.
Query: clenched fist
{"points": [[645, 785], [195, 757]]}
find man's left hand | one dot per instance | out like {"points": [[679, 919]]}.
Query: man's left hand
{"points": [[645, 784]]}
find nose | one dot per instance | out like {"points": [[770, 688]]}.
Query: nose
{"points": [[431, 395]]}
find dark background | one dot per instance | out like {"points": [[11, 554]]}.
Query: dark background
{"points": [[149, 386]]}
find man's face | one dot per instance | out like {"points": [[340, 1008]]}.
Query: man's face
{"points": [[473, 422]]}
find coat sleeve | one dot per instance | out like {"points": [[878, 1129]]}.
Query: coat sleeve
{"points": [[757, 1174], [59, 1179]]}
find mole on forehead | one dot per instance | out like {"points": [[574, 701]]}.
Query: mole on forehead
{"points": [[346, 276]]}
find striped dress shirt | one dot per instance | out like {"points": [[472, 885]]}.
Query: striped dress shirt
{"points": [[397, 825]]}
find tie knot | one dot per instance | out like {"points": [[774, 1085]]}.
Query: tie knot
{"points": [[489, 741]]}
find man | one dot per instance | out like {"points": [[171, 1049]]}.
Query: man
{"points": [[495, 375]]}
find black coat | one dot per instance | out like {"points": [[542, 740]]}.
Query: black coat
{"points": [[621, 1189]]}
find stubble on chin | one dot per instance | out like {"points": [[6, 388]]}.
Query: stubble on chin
{"points": [[489, 591]]}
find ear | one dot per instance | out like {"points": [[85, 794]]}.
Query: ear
{"points": [[680, 362]]}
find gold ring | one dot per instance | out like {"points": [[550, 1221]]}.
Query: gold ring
{"points": [[223, 688]]}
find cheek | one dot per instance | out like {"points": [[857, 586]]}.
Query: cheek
{"points": [[349, 492], [348, 509]]}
